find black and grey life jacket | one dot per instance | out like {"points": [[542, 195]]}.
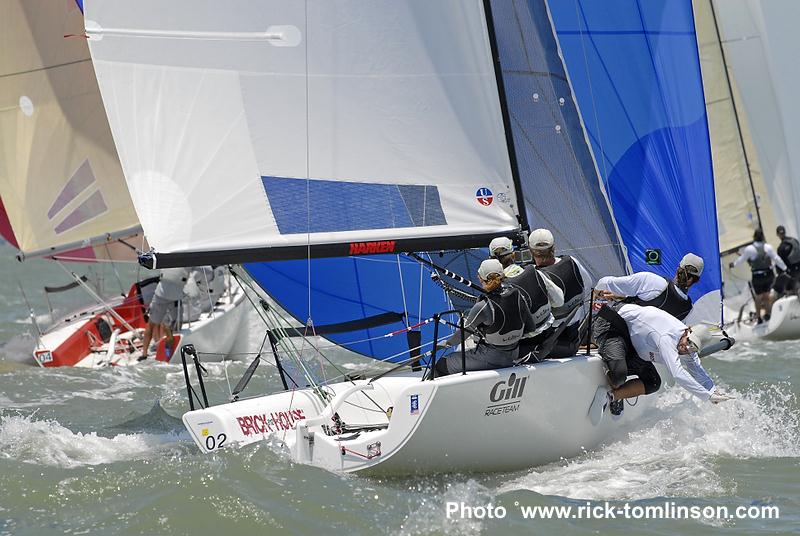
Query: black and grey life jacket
{"points": [[566, 274], [789, 250], [762, 263], [670, 301], [508, 307], [534, 292]]}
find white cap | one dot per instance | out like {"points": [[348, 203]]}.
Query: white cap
{"points": [[500, 246], [690, 260], [489, 267], [700, 336], [541, 239]]}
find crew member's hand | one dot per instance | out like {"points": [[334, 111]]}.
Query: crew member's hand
{"points": [[719, 396], [607, 295]]}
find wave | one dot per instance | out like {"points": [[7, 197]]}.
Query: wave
{"points": [[675, 452], [46, 442]]}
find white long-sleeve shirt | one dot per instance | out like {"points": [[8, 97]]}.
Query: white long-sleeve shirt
{"points": [[750, 253], [655, 335], [643, 285]]}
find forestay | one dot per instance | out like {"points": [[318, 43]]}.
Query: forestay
{"points": [[61, 183], [635, 70], [286, 129]]}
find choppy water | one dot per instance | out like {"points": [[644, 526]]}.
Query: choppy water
{"points": [[104, 452]]}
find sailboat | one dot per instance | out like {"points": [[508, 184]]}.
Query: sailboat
{"points": [[744, 201], [365, 130], [63, 196]]}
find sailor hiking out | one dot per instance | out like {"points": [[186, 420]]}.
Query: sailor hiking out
{"points": [[761, 256], [576, 284], [632, 338], [540, 292], [498, 320], [649, 289]]}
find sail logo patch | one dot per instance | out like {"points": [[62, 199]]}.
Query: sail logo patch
{"points": [[368, 248], [484, 196], [414, 405]]}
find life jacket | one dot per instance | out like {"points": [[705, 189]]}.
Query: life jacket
{"points": [[762, 263], [789, 250], [530, 284], [507, 306], [670, 301], [566, 274]]}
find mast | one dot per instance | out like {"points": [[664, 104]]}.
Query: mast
{"points": [[522, 214], [735, 113]]}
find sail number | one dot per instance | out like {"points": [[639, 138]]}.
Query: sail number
{"points": [[215, 442]]}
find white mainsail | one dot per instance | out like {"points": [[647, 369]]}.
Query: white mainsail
{"points": [[60, 180], [761, 44], [304, 111]]}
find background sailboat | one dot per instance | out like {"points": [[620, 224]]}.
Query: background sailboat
{"points": [[746, 195], [62, 192]]}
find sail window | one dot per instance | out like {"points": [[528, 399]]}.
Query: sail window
{"points": [[350, 206]]}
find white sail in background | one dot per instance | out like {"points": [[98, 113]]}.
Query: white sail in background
{"points": [[740, 204], [761, 44], [60, 179], [282, 123]]}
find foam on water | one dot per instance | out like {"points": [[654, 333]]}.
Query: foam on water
{"points": [[431, 516], [46, 442], [674, 453]]}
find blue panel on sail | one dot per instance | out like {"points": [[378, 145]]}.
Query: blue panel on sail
{"points": [[562, 189], [635, 70], [319, 206], [353, 288]]}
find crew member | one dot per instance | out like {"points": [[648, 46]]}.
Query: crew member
{"points": [[574, 281], [164, 309], [498, 320], [632, 338], [647, 288], [789, 252], [542, 294], [761, 256]]}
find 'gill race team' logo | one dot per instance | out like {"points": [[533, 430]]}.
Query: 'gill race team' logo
{"points": [[505, 395], [484, 196]]}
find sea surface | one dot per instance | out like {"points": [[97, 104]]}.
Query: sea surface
{"points": [[104, 452]]}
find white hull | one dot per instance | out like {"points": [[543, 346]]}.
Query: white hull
{"points": [[784, 323], [215, 331], [494, 420]]}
